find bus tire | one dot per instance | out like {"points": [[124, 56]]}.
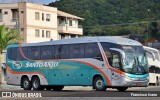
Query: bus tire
{"points": [[36, 84], [26, 84], [57, 88], [122, 89], [99, 84]]}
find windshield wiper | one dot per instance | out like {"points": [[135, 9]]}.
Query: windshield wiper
{"points": [[134, 64]]}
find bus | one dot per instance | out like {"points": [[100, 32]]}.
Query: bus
{"points": [[101, 62], [153, 56]]}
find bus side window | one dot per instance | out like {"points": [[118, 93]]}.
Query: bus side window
{"points": [[152, 69], [34, 53], [57, 51], [47, 52], [92, 51], [76, 51], [12, 53], [64, 51], [157, 70]]}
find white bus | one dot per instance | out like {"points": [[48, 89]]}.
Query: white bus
{"points": [[101, 62], [153, 56]]}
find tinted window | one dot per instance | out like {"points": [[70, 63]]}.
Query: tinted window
{"points": [[19, 56], [76, 51], [107, 45], [12, 53], [152, 69], [47, 52], [57, 51], [64, 51], [34, 53], [24, 50], [157, 70], [92, 51]]}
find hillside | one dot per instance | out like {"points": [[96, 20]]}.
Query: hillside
{"points": [[109, 17]]}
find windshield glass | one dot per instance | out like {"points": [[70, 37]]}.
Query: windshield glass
{"points": [[135, 60]]}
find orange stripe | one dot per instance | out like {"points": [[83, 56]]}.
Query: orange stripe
{"points": [[14, 72], [111, 68], [107, 79], [20, 48], [95, 67]]}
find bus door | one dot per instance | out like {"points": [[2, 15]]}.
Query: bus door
{"points": [[116, 63]]}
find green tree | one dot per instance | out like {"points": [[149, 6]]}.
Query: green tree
{"points": [[7, 37]]}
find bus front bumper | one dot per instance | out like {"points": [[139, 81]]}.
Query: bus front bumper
{"points": [[135, 82]]}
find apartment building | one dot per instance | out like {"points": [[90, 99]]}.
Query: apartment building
{"points": [[38, 23]]}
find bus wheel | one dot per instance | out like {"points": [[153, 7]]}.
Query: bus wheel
{"points": [[36, 84], [99, 84], [122, 88], [58, 88], [26, 84]]}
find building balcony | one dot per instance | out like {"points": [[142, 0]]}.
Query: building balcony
{"points": [[65, 28]]}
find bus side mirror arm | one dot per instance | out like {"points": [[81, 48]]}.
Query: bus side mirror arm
{"points": [[153, 56]]}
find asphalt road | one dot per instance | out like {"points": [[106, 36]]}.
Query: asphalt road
{"points": [[153, 91]]}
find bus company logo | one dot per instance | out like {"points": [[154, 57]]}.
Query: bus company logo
{"points": [[130, 42], [42, 64], [16, 65]]}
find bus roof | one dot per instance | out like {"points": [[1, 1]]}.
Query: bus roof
{"points": [[111, 39]]}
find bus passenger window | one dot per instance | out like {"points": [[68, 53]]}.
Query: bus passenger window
{"points": [[76, 51], [12, 53], [34, 53], [152, 69], [92, 51], [64, 51], [47, 52], [57, 51]]}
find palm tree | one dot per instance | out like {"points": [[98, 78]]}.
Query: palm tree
{"points": [[7, 37]]}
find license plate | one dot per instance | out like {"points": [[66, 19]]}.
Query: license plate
{"points": [[138, 83]]}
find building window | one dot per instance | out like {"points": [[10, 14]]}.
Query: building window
{"points": [[0, 15], [36, 15], [37, 33], [47, 17], [15, 14], [70, 22], [42, 16], [62, 36], [48, 34], [73, 36], [43, 33]]}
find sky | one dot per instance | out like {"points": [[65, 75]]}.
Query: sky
{"points": [[35, 1]]}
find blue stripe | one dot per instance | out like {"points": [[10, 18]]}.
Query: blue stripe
{"points": [[137, 76]]}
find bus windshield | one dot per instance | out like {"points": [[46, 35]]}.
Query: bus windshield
{"points": [[135, 61]]}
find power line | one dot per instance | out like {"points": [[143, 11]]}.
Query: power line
{"points": [[122, 24]]}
